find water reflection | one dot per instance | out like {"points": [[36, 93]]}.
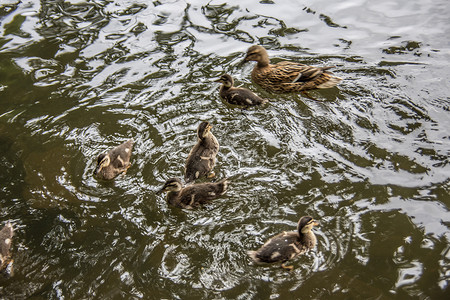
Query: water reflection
{"points": [[370, 160]]}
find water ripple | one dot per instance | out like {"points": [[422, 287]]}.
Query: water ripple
{"points": [[369, 160]]}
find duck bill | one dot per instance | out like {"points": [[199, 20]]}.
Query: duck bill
{"points": [[316, 223], [243, 62], [97, 169]]}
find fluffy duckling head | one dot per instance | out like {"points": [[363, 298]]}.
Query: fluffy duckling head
{"points": [[305, 224], [203, 129], [226, 80], [257, 53], [171, 185], [103, 161]]}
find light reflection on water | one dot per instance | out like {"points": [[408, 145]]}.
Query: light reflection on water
{"points": [[369, 160]]}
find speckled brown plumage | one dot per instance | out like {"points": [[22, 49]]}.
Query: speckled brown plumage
{"points": [[237, 96], [287, 245], [115, 161], [288, 77], [192, 195]]}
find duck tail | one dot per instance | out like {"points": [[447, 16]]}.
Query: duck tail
{"points": [[253, 256], [223, 185], [328, 80]]}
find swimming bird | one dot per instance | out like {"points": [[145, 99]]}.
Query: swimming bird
{"points": [[192, 195], [6, 235], [202, 158], [286, 76], [115, 161], [287, 245], [238, 96]]}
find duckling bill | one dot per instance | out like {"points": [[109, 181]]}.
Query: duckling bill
{"points": [[202, 157], [237, 96], [286, 76], [6, 261], [115, 161], [192, 195], [287, 245]]}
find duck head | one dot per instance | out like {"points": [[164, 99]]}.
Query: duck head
{"points": [[103, 161]]}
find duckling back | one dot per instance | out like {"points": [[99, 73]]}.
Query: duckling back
{"points": [[115, 161], [280, 248], [202, 158], [197, 194]]}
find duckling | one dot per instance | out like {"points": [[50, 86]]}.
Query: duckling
{"points": [[6, 235], [192, 195], [115, 161], [202, 158], [287, 245], [288, 77], [237, 96]]}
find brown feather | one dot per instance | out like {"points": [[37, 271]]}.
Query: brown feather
{"points": [[288, 77]]}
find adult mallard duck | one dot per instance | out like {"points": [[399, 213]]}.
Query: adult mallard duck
{"points": [[6, 235], [287, 245], [115, 161], [286, 76], [202, 158], [192, 195], [237, 96]]}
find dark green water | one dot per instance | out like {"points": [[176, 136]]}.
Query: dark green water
{"points": [[370, 160]]}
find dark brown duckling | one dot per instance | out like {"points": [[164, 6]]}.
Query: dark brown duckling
{"points": [[202, 158], [6, 262], [192, 195], [115, 161], [238, 96], [287, 245], [287, 76]]}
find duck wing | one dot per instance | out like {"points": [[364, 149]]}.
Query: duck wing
{"points": [[201, 193], [120, 155], [200, 162], [290, 72], [280, 248]]}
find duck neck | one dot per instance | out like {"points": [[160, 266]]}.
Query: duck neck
{"points": [[172, 197], [305, 235], [224, 88], [209, 140], [263, 61]]}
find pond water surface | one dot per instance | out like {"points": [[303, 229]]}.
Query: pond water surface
{"points": [[368, 159]]}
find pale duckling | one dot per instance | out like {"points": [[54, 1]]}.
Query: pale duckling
{"points": [[202, 158], [287, 245], [192, 195], [286, 76], [238, 96], [115, 161], [6, 261]]}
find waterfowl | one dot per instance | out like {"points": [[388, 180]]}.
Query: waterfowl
{"points": [[286, 76], [6, 235], [237, 96], [287, 245], [202, 158], [192, 195], [115, 161]]}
